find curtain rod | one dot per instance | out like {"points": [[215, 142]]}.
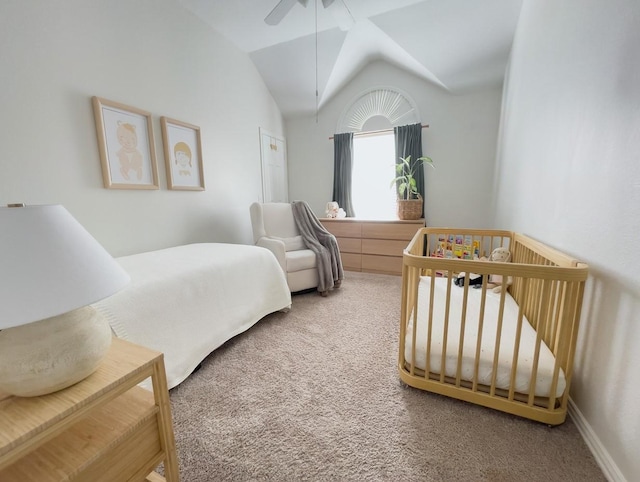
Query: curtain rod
{"points": [[372, 133]]}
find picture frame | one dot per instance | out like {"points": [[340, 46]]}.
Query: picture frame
{"points": [[126, 145], [182, 155]]}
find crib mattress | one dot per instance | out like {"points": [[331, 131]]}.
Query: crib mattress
{"points": [[526, 351]]}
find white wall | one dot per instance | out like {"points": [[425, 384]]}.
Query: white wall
{"points": [[569, 175], [150, 54], [461, 140]]}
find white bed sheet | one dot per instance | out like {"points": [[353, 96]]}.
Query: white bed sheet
{"points": [[188, 300], [509, 327]]}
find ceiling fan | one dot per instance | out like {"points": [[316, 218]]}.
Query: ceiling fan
{"points": [[338, 8]]}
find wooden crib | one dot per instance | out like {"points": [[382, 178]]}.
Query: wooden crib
{"points": [[511, 351]]}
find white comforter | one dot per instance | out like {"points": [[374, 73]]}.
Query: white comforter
{"points": [[489, 329], [188, 300]]}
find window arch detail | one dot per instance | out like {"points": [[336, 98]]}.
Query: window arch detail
{"points": [[396, 106]]}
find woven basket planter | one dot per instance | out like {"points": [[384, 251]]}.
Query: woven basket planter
{"points": [[409, 209]]}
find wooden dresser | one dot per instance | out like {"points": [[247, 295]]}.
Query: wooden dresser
{"points": [[104, 428], [372, 246]]}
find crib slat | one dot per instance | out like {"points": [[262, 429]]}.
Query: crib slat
{"points": [[496, 348], [463, 319], [445, 333], [560, 309], [427, 363], [405, 304], [551, 310], [536, 307], [562, 341], [414, 296], [516, 345], [542, 325], [476, 363], [557, 315], [575, 322], [564, 332]]}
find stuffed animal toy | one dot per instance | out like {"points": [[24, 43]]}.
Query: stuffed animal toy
{"points": [[334, 211], [495, 282], [500, 255]]}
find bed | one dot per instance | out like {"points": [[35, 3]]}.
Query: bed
{"points": [[510, 350], [186, 301]]}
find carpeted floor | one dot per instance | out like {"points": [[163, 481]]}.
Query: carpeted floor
{"points": [[314, 394]]}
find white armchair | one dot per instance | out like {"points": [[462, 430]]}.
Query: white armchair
{"points": [[274, 228]]}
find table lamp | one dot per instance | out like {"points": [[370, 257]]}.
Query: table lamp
{"points": [[51, 268]]}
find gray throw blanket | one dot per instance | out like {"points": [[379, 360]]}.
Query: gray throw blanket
{"points": [[322, 243]]}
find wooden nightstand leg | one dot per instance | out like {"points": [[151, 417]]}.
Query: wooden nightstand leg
{"points": [[161, 393], [154, 477]]}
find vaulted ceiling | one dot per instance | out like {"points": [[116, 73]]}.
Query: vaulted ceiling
{"points": [[458, 45]]}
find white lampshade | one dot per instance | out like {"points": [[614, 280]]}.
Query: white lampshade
{"points": [[49, 265], [51, 268]]}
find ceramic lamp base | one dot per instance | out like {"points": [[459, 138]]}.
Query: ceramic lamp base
{"points": [[54, 353]]}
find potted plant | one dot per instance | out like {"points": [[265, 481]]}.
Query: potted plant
{"points": [[409, 200]]}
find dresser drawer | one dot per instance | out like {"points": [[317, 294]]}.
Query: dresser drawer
{"points": [[401, 231], [381, 264], [343, 229], [387, 247], [350, 245], [351, 261]]}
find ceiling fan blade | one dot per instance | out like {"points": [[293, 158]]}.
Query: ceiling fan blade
{"points": [[341, 13], [279, 11]]}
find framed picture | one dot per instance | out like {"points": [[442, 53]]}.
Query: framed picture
{"points": [[125, 141], [182, 155]]}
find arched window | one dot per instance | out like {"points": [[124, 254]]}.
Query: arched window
{"points": [[389, 105], [371, 116]]}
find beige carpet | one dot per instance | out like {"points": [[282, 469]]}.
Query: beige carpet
{"points": [[314, 394]]}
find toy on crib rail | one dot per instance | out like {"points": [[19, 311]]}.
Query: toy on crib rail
{"points": [[496, 282], [334, 211]]}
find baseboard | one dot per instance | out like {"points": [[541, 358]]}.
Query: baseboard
{"points": [[600, 453]]}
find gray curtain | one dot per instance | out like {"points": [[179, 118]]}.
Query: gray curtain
{"points": [[409, 143], [342, 171]]}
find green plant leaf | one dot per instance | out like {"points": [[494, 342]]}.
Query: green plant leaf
{"points": [[406, 185]]}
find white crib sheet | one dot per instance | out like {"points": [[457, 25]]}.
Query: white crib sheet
{"points": [[509, 327]]}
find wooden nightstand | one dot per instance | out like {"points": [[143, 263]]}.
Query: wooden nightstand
{"points": [[105, 428]]}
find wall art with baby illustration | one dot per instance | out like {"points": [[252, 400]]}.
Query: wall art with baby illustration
{"points": [[182, 155], [125, 142]]}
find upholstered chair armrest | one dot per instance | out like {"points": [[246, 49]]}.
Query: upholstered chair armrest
{"points": [[276, 246]]}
